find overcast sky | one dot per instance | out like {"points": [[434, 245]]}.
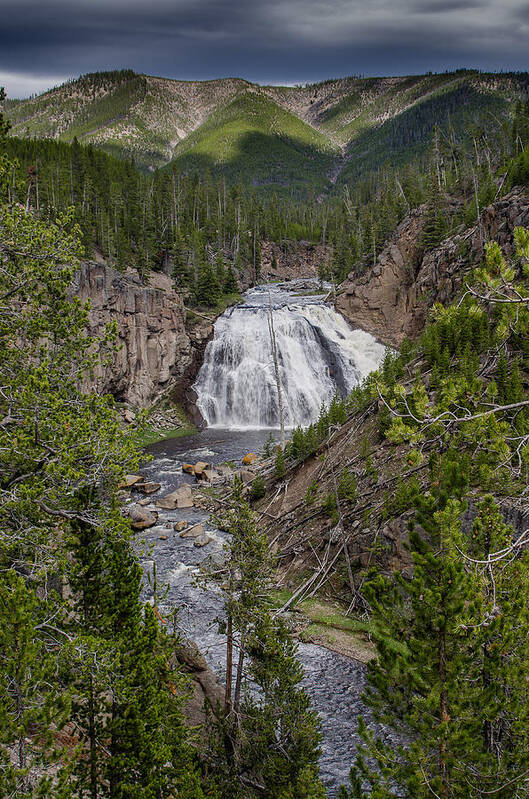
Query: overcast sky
{"points": [[278, 41]]}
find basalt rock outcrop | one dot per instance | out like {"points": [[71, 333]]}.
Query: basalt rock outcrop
{"points": [[392, 299], [153, 348]]}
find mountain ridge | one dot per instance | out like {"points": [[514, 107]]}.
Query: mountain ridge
{"points": [[344, 126]]}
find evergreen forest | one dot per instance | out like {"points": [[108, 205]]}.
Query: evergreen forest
{"points": [[95, 682]]}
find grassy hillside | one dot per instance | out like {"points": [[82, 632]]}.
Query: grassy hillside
{"points": [[280, 138], [254, 141], [457, 109], [123, 113]]}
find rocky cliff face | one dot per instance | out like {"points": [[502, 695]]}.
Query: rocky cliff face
{"points": [[154, 348], [393, 299]]}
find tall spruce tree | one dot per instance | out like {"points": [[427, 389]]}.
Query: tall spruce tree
{"points": [[34, 705], [267, 738], [451, 667], [208, 290]]}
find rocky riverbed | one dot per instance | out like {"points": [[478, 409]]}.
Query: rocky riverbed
{"points": [[334, 682]]}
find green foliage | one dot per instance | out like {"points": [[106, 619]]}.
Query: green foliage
{"points": [[347, 487], [31, 698], [311, 494], [208, 288], [305, 441], [230, 285], [330, 508], [445, 689], [268, 735], [77, 649], [279, 465], [258, 489], [453, 689], [269, 446], [254, 141]]}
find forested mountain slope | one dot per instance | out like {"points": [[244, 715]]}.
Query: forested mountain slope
{"points": [[307, 135]]}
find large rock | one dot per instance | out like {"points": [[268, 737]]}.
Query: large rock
{"points": [[154, 348], [180, 526], [194, 532], [246, 475], [181, 498], [130, 480], [148, 488], [205, 687], [141, 518], [199, 468], [211, 476], [392, 299], [202, 540], [185, 502]]}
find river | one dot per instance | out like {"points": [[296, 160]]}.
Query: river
{"points": [[321, 347]]}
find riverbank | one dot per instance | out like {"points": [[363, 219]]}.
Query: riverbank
{"points": [[326, 624]]}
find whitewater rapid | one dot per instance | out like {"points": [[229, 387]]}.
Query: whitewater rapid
{"points": [[319, 354]]}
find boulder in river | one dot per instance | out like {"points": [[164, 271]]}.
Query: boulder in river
{"points": [[211, 476], [181, 498], [148, 488], [141, 519], [179, 526], [188, 468], [194, 532], [202, 540], [185, 502], [130, 480], [199, 468]]}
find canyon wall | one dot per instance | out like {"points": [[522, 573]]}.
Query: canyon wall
{"points": [[153, 348], [393, 298]]}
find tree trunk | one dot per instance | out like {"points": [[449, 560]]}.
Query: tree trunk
{"points": [[238, 680], [93, 742], [443, 712], [229, 667]]}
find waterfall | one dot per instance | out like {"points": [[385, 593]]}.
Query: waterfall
{"points": [[319, 354]]}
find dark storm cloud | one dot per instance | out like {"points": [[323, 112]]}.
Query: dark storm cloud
{"points": [[275, 41], [445, 6], [522, 13]]}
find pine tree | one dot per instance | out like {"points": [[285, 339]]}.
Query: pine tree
{"points": [[220, 269], [435, 226], [208, 290], [424, 655], [34, 705], [231, 285], [267, 743]]}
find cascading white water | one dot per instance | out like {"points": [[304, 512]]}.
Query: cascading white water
{"points": [[318, 355]]}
